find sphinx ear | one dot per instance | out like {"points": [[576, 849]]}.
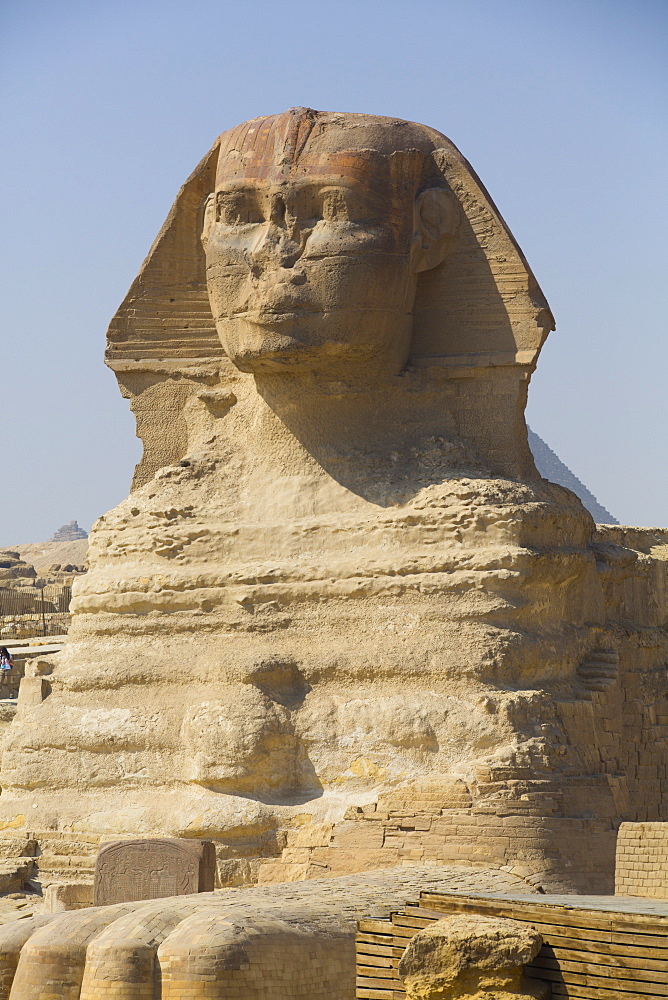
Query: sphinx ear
{"points": [[436, 220]]}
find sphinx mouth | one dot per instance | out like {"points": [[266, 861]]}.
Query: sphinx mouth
{"points": [[274, 315]]}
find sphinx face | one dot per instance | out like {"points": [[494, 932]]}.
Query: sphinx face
{"points": [[309, 264]]}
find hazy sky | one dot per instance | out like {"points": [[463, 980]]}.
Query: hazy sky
{"points": [[107, 105]]}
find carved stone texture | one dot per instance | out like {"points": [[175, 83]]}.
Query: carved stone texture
{"points": [[129, 870]]}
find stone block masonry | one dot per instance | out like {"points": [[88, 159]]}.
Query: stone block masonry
{"points": [[289, 941], [641, 865]]}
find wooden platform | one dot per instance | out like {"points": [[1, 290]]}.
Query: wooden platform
{"points": [[594, 946]]}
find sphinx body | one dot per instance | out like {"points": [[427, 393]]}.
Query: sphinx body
{"points": [[339, 588]]}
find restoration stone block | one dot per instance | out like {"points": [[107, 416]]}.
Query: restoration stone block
{"points": [[641, 867]]}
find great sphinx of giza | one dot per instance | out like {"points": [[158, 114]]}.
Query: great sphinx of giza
{"points": [[340, 610]]}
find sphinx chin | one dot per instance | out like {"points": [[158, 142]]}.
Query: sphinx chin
{"points": [[319, 353], [258, 352], [280, 337]]}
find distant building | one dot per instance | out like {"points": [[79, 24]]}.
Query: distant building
{"points": [[551, 467], [69, 533]]}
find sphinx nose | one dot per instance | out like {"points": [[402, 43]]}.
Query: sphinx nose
{"points": [[275, 248], [277, 245]]}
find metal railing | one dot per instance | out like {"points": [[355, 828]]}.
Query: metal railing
{"points": [[40, 610]]}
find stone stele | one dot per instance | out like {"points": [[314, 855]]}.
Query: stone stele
{"points": [[153, 869], [340, 621]]}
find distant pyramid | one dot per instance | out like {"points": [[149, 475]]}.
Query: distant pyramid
{"points": [[69, 533], [551, 467]]}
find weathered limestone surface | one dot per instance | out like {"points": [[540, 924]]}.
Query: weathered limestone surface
{"points": [[286, 941], [14, 571], [339, 587], [61, 896], [471, 957]]}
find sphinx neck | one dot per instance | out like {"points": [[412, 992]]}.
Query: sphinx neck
{"points": [[350, 421], [339, 444]]}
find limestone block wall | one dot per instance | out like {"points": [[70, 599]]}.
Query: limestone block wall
{"points": [[449, 822], [641, 867]]}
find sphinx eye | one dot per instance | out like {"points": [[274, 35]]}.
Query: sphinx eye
{"points": [[237, 208], [335, 205]]}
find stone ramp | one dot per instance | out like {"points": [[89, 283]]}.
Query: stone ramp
{"points": [[232, 943]]}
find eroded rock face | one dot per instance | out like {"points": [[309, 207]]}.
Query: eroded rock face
{"points": [[14, 572], [469, 957], [338, 571]]}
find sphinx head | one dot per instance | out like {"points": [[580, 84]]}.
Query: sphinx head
{"points": [[343, 246], [314, 236]]}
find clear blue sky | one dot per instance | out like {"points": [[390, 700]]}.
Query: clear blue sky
{"points": [[107, 105]]}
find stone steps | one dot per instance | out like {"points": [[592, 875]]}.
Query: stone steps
{"points": [[66, 863]]}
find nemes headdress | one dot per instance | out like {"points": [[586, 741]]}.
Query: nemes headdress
{"points": [[480, 308]]}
